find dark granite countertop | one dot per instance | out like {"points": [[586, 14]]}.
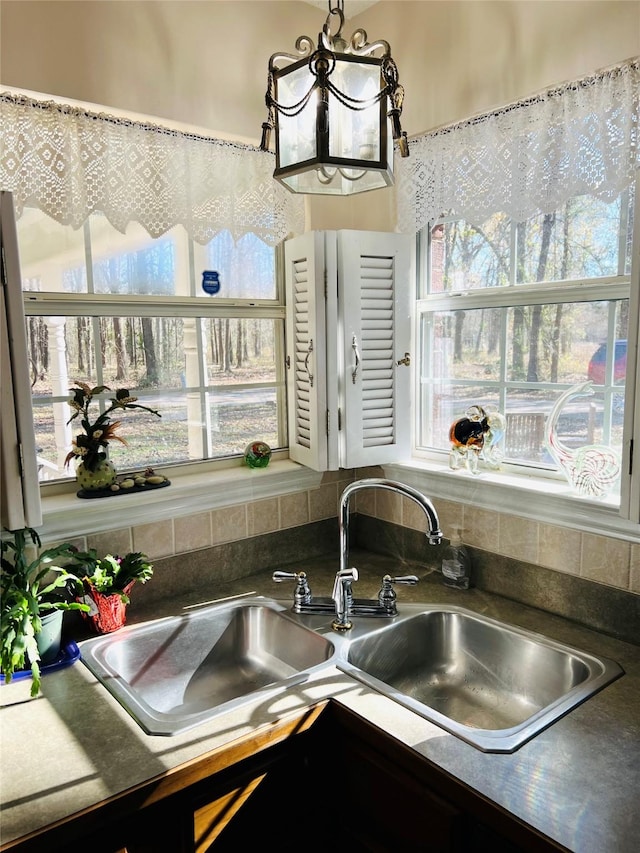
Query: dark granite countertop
{"points": [[577, 782]]}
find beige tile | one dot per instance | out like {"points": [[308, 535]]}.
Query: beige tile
{"points": [[370, 471], [344, 481], [228, 524], [606, 560], [294, 509], [634, 584], [263, 516], [450, 515], [480, 528], [389, 505], [518, 537], [111, 542], [79, 542], [323, 502], [560, 548], [414, 517], [32, 552], [154, 540], [339, 476], [364, 502], [192, 532]]}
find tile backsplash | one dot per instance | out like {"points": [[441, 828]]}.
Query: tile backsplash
{"points": [[605, 560]]}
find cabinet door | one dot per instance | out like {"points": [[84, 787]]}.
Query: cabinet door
{"points": [[348, 338], [374, 293], [306, 350]]}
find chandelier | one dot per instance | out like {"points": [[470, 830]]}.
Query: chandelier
{"points": [[335, 109]]}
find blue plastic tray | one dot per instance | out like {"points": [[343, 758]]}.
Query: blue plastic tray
{"points": [[68, 654]]}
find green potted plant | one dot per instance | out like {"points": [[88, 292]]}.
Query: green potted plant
{"points": [[94, 470], [34, 593], [107, 583]]}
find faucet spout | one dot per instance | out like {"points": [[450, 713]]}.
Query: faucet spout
{"points": [[434, 534], [341, 597]]}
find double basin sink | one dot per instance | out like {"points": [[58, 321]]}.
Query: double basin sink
{"points": [[491, 684]]}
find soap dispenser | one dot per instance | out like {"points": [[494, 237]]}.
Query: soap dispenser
{"points": [[456, 563]]}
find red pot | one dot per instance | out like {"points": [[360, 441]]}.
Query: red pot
{"points": [[108, 611]]}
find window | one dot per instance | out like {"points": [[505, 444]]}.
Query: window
{"points": [[511, 315], [129, 311]]}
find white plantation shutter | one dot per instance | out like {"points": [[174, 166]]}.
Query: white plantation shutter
{"points": [[348, 324], [19, 490], [306, 348], [374, 294]]}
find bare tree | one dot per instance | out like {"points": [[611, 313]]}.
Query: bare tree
{"points": [[121, 361], [533, 369]]}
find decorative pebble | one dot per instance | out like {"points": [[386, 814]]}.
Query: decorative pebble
{"points": [[155, 479]]}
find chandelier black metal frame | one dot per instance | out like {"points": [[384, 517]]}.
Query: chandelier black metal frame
{"points": [[335, 109]]}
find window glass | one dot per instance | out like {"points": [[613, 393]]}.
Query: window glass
{"points": [[133, 263], [469, 257], [234, 416], [485, 341], [245, 268], [488, 357], [578, 241], [585, 239], [216, 377]]}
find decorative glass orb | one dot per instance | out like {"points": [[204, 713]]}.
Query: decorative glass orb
{"points": [[257, 454]]}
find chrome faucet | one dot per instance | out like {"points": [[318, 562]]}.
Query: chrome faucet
{"points": [[434, 533], [342, 599], [341, 602]]}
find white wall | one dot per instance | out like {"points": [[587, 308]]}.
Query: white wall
{"points": [[204, 62]]}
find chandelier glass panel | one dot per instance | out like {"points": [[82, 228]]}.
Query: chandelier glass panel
{"points": [[335, 109]]}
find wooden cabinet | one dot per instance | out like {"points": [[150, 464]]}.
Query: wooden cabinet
{"points": [[314, 781]]}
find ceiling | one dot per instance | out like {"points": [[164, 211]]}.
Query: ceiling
{"points": [[351, 7]]}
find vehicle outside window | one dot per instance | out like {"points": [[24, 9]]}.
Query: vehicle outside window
{"points": [[511, 315], [598, 364]]}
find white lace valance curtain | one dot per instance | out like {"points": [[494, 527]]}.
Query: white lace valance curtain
{"points": [[70, 163], [582, 138]]}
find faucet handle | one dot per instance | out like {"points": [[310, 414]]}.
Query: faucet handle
{"points": [[302, 591], [407, 580], [387, 595]]}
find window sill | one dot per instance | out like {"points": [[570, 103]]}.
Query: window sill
{"points": [[547, 501], [65, 516]]}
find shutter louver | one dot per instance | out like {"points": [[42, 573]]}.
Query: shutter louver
{"points": [[376, 319], [348, 328], [303, 346], [306, 350]]}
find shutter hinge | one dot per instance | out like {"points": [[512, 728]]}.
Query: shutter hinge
{"points": [[339, 419], [325, 284], [630, 457], [328, 421]]}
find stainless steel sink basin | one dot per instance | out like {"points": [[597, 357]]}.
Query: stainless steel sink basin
{"points": [[176, 673], [491, 684]]}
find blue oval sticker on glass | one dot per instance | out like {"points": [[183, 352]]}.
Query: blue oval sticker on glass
{"points": [[210, 281]]}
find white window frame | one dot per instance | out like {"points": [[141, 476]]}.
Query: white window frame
{"points": [[195, 486], [62, 304], [517, 490]]}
